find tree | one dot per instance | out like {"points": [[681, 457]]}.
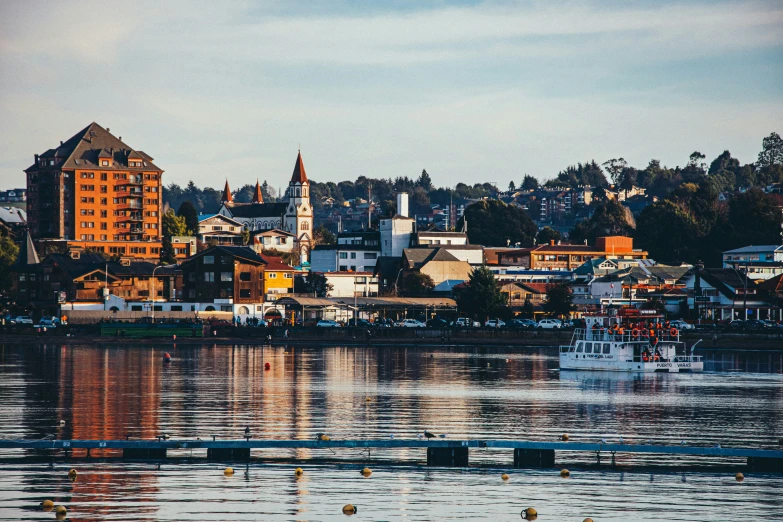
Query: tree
{"points": [[668, 232], [424, 181], [481, 295], [314, 283], [547, 234], [528, 310], [511, 186], [493, 223], [417, 284], [559, 299], [173, 225], [695, 160], [609, 219], [245, 236], [167, 255], [754, 219], [771, 151], [188, 211], [615, 168], [627, 180], [529, 183], [323, 236], [8, 254]]}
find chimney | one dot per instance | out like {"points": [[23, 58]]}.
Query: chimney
{"points": [[108, 129], [61, 143], [551, 242], [402, 204]]}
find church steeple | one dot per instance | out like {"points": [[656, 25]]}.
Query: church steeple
{"points": [[27, 254], [258, 196], [299, 175], [226, 198]]}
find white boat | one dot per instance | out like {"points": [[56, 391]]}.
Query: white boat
{"points": [[628, 340]]}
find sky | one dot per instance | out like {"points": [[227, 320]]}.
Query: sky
{"points": [[471, 91]]}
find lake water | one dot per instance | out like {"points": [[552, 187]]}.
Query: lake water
{"points": [[112, 392]]}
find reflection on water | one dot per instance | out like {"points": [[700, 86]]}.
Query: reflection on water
{"points": [[110, 392]]}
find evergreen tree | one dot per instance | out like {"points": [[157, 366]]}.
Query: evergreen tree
{"points": [[188, 211], [559, 299], [167, 255], [424, 181], [481, 296]]}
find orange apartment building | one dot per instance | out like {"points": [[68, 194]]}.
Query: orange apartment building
{"points": [[570, 257], [95, 192]]}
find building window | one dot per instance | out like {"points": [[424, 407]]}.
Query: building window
{"points": [[343, 255], [226, 276], [209, 277], [209, 260], [288, 275], [353, 255], [244, 276], [243, 292], [104, 163], [370, 255], [272, 275]]}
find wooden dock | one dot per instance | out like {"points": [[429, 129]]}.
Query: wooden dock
{"points": [[440, 452]]}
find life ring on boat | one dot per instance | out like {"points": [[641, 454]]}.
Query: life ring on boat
{"points": [[635, 333], [673, 332]]}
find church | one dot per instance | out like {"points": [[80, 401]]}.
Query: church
{"points": [[293, 214]]}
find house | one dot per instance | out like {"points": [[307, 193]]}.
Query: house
{"points": [[438, 238], [352, 284], [218, 229], [274, 239], [235, 275], [12, 216], [184, 246], [569, 257], [759, 262], [518, 293], [725, 294], [354, 251], [18, 195], [438, 263]]}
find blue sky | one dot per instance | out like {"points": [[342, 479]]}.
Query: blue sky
{"points": [[471, 91]]}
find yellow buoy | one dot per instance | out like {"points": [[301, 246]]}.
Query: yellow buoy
{"points": [[72, 473], [564, 437], [350, 509], [504, 476], [368, 399], [298, 472], [47, 505], [366, 472], [228, 472], [565, 473], [60, 510], [740, 477], [588, 519], [530, 513]]}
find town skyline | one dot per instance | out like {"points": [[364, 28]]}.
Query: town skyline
{"points": [[386, 92]]}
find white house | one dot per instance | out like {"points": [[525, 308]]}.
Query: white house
{"points": [[350, 284], [759, 262]]}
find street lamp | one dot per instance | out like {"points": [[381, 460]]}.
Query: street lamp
{"points": [[396, 291], [153, 292]]}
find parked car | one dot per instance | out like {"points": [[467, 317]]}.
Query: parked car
{"points": [[494, 323], [681, 325], [522, 323], [757, 324], [549, 324], [737, 324], [465, 322], [361, 323], [327, 323], [411, 323], [49, 321], [437, 322], [22, 319]]}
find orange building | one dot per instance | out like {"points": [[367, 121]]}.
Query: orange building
{"points": [[95, 192], [569, 257]]}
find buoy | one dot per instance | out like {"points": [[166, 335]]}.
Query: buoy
{"points": [[530, 513], [72, 473], [366, 472], [350, 509], [267, 366], [504, 476], [62, 422], [367, 399], [564, 437], [322, 436], [166, 357], [740, 477], [565, 473], [588, 519], [298, 472], [60, 510], [228, 472], [47, 505]]}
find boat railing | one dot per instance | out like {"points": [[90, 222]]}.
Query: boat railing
{"points": [[604, 334], [677, 358]]}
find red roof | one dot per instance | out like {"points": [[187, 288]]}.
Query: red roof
{"points": [[539, 288], [299, 171], [258, 197], [274, 263], [227, 198]]}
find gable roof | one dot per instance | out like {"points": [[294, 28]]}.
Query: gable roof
{"points": [[27, 254], [276, 263], [86, 148], [220, 217], [13, 215], [272, 232], [299, 175], [418, 257], [755, 249], [257, 210]]}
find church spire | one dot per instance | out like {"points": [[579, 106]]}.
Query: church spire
{"points": [[258, 196], [227, 198], [27, 254], [299, 175]]}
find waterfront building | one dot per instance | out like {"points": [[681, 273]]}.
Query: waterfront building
{"points": [[759, 262], [352, 284], [354, 251], [554, 256], [295, 215], [95, 192]]}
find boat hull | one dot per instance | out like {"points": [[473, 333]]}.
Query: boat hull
{"points": [[567, 363]]}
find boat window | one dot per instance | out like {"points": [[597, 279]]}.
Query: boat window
{"points": [[579, 348], [571, 348], [606, 348], [589, 348]]}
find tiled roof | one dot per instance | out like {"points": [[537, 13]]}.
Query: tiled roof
{"points": [[85, 149], [276, 264]]}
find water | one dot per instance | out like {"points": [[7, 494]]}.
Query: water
{"points": [[108, 392]]}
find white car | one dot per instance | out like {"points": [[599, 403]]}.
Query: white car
{"points": [[411, 323], [464, 322], [22, 320], [549, 323], [328, 323], [682, 325], [494, 323]]}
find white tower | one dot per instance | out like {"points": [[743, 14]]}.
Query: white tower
{"points": [[299, 213]]}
